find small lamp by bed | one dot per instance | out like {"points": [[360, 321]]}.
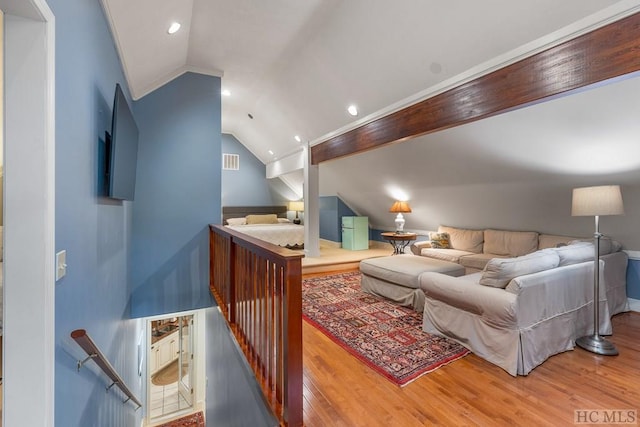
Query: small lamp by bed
{"points": [[298, 207]]}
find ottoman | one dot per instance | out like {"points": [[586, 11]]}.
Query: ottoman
{"points": [[397, 277]]}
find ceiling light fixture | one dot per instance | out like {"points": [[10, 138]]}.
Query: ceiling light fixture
{"points": [[297, 138], [225, 92], [173, 28], [353, 110], [271, 152]]}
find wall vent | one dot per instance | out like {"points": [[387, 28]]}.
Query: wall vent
{"points": [[230, 162]]}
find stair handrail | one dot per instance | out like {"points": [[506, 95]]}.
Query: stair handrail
{"points": [[94, 353]]}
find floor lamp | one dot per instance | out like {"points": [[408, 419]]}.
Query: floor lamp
{"points": [[597, 201]]}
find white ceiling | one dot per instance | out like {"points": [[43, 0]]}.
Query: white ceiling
{"points": [[295, 65]]}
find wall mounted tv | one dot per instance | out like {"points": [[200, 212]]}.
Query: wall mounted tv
{"points": [[122, 150]]}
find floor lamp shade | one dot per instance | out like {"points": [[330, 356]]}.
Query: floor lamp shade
{"points": [[597, 201], [592, 201]]}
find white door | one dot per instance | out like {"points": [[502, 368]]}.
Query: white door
{"points": [[185, 359]]}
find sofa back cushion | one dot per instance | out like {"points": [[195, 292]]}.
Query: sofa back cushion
{"points": [[464, 239], [512, 243], [607, 245], [553, 241], [499, 271], [575, 253]]}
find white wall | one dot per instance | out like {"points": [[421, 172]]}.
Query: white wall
{"points": [[512, 171], [28, 335]]}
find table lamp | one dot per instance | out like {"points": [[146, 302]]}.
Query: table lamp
{"points": [[400, 208], [298, 207]]}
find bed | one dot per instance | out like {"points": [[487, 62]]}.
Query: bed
{"points": [[258, 222]]}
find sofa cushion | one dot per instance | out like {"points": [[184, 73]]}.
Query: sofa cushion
{"points": [[499, 271], [607, 244], [451, 255], [575, 253], [510, 243], [464, 239], [477, 261], [553, 241], [440, 240], [405, 269]]}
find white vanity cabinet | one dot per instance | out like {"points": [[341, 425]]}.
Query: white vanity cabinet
{"points": [[164, 351]]}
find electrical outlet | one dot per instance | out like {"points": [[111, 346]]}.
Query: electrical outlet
{"points": [[61, 264]]}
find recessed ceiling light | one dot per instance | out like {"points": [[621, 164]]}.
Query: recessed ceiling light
{"points": [[297, 138], [173, 28], [353, 110], [225, 92], [271, 152]]}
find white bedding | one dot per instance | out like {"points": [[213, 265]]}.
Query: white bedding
{"points": [[284, 234]]}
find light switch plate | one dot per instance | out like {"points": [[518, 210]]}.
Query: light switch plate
{"points": [[61, 264]]}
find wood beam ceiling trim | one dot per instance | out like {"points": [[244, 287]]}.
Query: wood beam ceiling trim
{"points": [[600, 55]]}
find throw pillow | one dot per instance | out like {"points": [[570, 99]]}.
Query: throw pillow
{"points": [[440, 240], [262, 219], [575, 253], [283, 220], [236, 221], [499, 271]]}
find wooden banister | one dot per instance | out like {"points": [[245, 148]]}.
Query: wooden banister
{"points": [[94, 353], [258, 287]]}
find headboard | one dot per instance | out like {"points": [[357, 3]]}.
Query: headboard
{"points": [[242, 211]]}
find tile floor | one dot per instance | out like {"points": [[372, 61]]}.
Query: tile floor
{"points": [[166, 400]]}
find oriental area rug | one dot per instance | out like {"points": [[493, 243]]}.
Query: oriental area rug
{"points": [[192, 420], [386, 337]]}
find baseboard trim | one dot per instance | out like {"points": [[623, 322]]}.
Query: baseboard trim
{"points": [[330, 243], [378, 244], [634, 304]]}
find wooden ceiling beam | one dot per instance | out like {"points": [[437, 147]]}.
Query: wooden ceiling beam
{"points": [[605, 53]]}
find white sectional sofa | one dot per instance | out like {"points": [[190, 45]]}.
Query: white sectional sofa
{"points": [[520, 311], [524, 296]]}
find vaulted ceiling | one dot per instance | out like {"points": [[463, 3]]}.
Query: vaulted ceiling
{"points": [[295, 66]]}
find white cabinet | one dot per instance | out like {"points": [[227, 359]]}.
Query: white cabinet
{"points": [[163, 352], [153, 358]]}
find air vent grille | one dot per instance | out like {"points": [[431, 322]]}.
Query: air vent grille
{"points": [[230, 162]]}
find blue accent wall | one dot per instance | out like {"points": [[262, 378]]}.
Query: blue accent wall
{"points": [[633, 279], [249, 185], [95, 231], [331, 211], [177, 195]]}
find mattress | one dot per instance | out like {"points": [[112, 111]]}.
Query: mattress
{"points": [[283, 234]]}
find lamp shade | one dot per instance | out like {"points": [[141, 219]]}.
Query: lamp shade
{"points": [[296, 206], [601, 200], [400, 207]]}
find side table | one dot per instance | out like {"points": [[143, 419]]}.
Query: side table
{"points": [[398, 241]]}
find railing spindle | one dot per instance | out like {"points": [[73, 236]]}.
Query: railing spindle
{"points": [[261, 285]]}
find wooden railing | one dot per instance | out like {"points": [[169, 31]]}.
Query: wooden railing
{"points": [[258, 287], [94, 353]]}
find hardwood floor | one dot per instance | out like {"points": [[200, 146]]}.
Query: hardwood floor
{"points": [[341, 391]]}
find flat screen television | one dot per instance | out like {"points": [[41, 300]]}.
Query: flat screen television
{"points": [[122, 150]]}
